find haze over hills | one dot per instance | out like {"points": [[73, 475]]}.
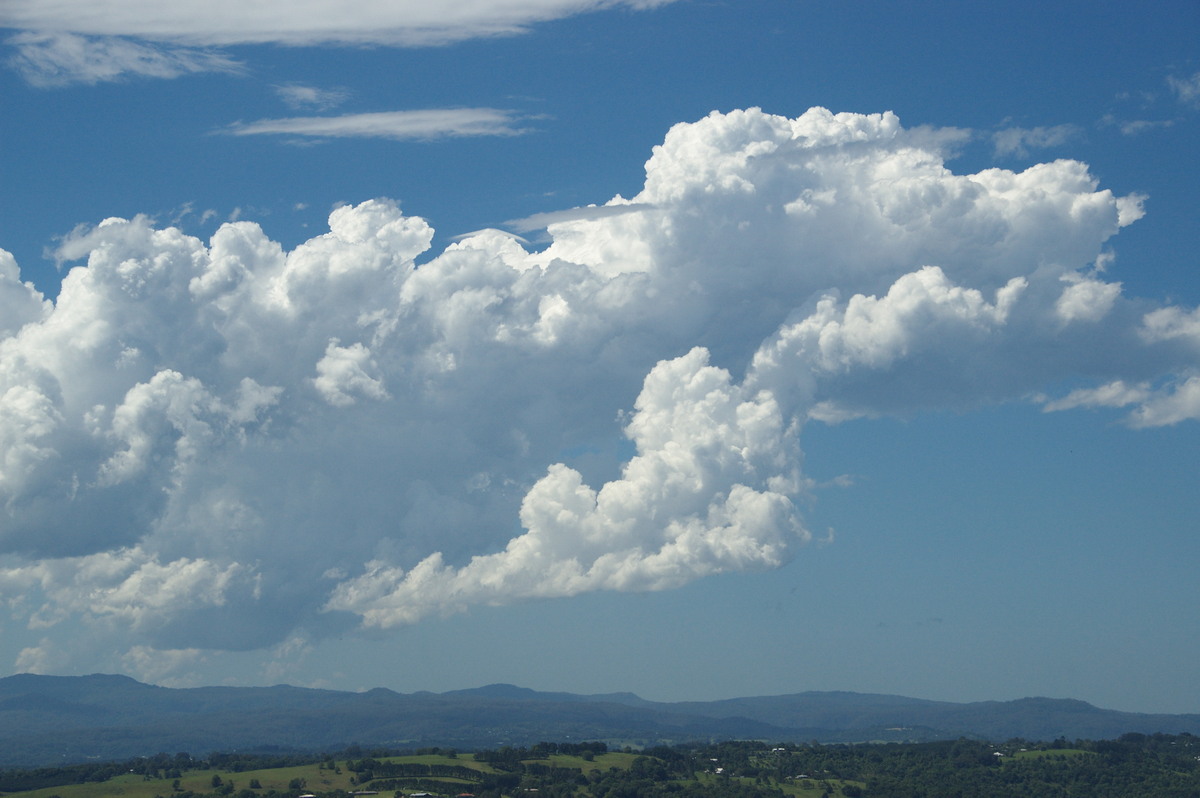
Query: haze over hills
{"points": [[59, 719]]}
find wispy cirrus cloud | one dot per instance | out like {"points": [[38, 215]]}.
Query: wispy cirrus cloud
{"points": [[1134, 127], [298, 96], [433, 123], [81, 41], [49, 60], [1187, 90], [226, 22], [1019, 141]]}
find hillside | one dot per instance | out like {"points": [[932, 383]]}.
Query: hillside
{"points": [[53, 719]]}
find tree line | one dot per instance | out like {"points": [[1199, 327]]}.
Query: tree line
{"points": [[1131, 766]]}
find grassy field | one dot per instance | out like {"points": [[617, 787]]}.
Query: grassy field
{"points": [[602, 762], [133, 786], [466, 761], [816, 792], [316, 778]]}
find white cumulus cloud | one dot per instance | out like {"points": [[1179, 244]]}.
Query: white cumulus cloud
{"points": [[708, 491], [224, 444]]}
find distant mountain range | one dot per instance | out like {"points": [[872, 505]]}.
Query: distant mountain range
{"points": [[62, 719]]}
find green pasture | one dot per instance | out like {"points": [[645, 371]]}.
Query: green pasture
{"points": [[601, 762], [200, 781], [316, 777], [798, 790]]}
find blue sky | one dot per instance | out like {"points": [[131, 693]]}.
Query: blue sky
{"points": [[360, 388]]}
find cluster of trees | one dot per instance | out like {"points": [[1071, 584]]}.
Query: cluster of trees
{"points": [[159, 766], [1132, 766]]}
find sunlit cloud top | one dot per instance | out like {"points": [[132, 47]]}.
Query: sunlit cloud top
{"points": [[184, 406]]}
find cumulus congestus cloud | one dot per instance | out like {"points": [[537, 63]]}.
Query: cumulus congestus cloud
{"points": [[225, 434]]}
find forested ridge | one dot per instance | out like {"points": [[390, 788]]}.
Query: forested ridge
{"points": [[54, 720], [1132, 766]]}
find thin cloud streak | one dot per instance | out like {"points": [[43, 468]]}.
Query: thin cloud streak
{"points": [[540, 221], [1018, 141], [400, 125], [229, 22], [52, 60]]}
